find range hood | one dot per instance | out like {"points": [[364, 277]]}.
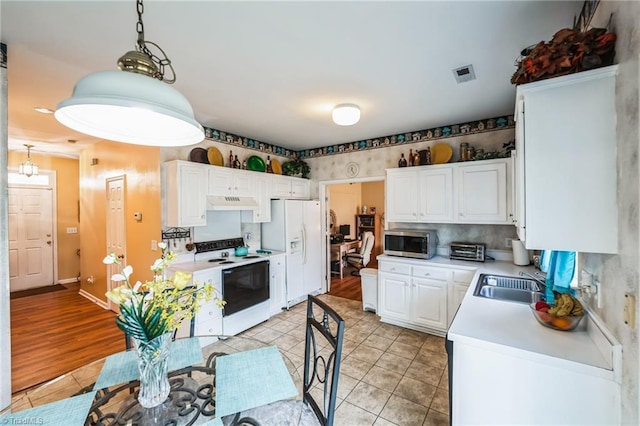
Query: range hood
{"points": [[226, 202]]}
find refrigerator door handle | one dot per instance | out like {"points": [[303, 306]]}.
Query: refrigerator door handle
{"points": [[304, 245]]}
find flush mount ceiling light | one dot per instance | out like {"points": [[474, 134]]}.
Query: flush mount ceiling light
{"points": [[136, 106], [346, 114], [28, 168], [43, 110]]}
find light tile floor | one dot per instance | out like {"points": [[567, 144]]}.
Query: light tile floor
{"points": [[389, 375]]}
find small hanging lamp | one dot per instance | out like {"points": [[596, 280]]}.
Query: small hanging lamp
{"points": [[134, 106], [28, 168]]}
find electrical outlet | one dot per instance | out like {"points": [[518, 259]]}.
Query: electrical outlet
{"points": [[154, 245], [72, 230], [507, 242]]}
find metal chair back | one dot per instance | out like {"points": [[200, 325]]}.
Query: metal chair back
{"points": [[323, 367]]}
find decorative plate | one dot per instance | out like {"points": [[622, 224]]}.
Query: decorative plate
{"points": [[199, 155], [276, 167], [256, 164], [441, 153], [215, 156], [352, 169]]}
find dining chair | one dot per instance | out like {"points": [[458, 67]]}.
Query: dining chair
{"points": [[321, 371], [361, 259]]}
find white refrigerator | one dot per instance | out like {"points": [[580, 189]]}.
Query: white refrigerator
{"points": [[295, 229]]}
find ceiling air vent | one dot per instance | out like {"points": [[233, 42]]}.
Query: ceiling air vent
{"points": [[465, 73]]}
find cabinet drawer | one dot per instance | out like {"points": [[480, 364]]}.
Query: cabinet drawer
{"points": [[433, 273], [463, 276], [396, 268]]}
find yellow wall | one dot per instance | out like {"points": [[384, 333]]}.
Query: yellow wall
{"points": [[344, 200], [67, 207], [141, 167]]}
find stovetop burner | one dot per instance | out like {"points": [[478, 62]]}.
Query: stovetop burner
{"points": [[216, 259], [253, 256], [226, 262]]}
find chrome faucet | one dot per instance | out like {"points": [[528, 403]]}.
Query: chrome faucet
{"points": [[537, 277]]}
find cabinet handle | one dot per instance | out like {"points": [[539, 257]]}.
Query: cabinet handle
{"points": [[414, 214], [392, 269], [427, 274], [202, 216]]}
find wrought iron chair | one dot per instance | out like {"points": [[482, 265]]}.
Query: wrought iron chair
{"points": [[361, 259], [321, 367]]}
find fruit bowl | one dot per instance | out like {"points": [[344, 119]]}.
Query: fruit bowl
{"points": [[566, 323]]}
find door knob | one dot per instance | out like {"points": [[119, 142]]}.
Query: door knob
{"points": [[48, 235], [49, 242]]}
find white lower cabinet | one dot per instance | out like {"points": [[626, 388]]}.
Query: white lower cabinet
{"points": [[277, 290], [420, 296], [208, 324]]}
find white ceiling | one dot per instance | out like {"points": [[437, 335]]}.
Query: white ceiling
{"points": [[272, 71]]}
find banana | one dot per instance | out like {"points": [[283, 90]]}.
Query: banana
{"points": [[567, 305], [577, 310]]}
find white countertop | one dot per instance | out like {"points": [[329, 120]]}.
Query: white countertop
{"points": [[201, 265], [510, 327]]}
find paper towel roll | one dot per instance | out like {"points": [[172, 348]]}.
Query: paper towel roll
{"points": [[520, 254]]}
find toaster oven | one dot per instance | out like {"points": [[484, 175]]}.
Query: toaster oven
{"points": [[467, 251]]}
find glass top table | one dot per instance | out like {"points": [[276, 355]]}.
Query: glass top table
{"points": [[192, 399]]}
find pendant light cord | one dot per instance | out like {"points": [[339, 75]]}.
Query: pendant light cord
{"points": [[142, 46]]}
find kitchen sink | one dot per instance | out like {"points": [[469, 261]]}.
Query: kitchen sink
{"points": [[512, 289]]}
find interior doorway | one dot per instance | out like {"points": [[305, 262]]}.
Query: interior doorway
{"points": [[31, 220], [116, 232], [349, 206]]}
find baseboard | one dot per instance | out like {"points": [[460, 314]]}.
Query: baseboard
{"points": [[94, 299], [68, 281]]}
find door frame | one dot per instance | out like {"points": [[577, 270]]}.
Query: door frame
{"points": [[54, 209], [324, 208]]}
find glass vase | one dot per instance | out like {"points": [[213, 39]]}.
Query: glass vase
{"points": [[152, 363]]}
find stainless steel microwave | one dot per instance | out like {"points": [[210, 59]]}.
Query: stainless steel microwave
{"points": [[410, 243]]}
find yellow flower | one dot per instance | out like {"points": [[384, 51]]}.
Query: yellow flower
{"points": [[181, 279], [120, 295]]}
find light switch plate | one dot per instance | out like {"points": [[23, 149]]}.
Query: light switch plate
{"points": [[629, 313]]}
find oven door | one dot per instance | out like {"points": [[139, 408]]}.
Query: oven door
{"points": [[245, 286]]}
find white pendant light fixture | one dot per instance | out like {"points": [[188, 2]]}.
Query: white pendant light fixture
{"points": [[134, 105], [346, 114], [28, 168]]}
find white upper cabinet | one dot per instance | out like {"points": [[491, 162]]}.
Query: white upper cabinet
{"points": [[469, 192], [482, 192], [401, 195], [287, 187], [186, 193], [566, 138], [225, 181], [262, 196], [436, 194]]}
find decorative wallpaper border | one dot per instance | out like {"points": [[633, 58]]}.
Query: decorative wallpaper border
{"points": [[442, 132]]}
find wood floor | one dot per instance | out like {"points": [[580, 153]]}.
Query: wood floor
{"points": [[54, 333], [349, 287]]}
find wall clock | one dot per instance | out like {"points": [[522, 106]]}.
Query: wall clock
{"points": [[352, 169]]}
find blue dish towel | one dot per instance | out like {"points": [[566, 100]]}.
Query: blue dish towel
{"points": [[560, 267]]}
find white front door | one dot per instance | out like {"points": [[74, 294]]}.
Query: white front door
{"points": [[116, 242], [30, 237]]}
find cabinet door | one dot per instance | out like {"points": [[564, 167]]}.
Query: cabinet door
{"points": [[519, 218], [280, 187], [300, 189], [458, 291], [263, 212], [243, 183], [277, 295], [209, 317], [393, 295], [401, 196], [436, 195], [220, 181], [429, 303], [192, 195], [482, 193]]}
